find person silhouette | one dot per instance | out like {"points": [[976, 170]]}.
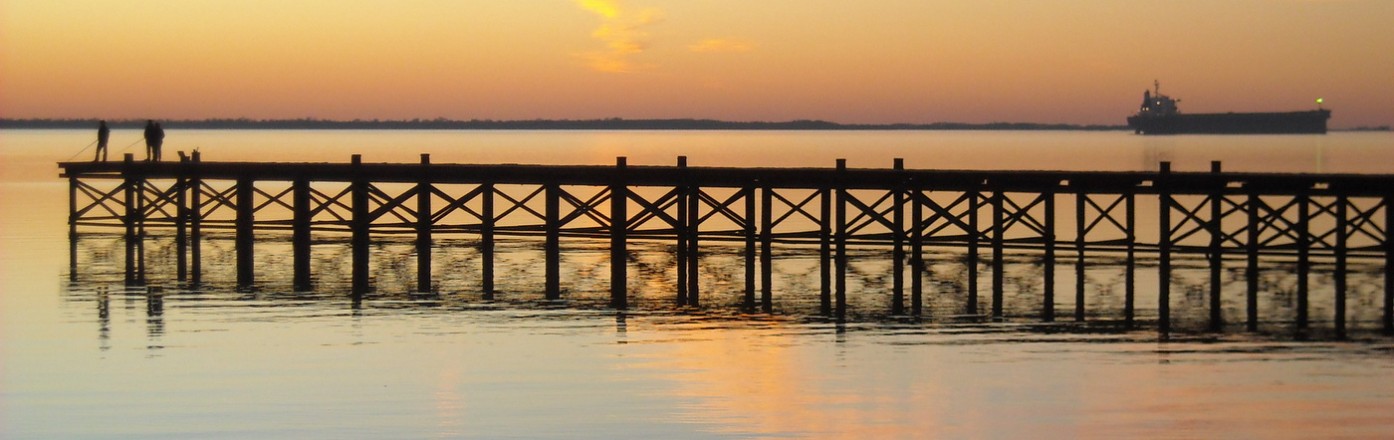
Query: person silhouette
{"points": [[103, 134], [159, 140], [149, 140]]}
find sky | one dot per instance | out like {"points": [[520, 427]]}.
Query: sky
{"points": [[868, 61]]}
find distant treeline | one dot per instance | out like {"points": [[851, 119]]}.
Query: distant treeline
{"points": [[535, 124], [1366, 128]]}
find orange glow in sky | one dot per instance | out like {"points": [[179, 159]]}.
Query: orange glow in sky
{"points": [[1071, 61]]}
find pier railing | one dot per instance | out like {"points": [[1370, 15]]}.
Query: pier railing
{"points": [[1304, 218]]}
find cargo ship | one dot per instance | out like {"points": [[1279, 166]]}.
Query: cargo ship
{"points": [[1159, 115]]}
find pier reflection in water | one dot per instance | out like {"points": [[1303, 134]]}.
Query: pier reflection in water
{"points": [[652, 272], [452, 363]]}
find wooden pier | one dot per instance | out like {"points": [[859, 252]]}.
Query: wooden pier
{"points": [[1332, 218]]}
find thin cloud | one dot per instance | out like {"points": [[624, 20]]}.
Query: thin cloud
{"points": [[622, 31], [719, 45]]}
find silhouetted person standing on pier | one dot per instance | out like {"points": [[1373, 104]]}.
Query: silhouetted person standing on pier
{"points": [[149, 140], [159, 140], [103, 135]]}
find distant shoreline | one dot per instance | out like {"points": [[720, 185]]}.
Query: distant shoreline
{"points": [[538, 124]]}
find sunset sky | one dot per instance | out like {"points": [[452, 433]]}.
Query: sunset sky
{"points": [[873, 61]]}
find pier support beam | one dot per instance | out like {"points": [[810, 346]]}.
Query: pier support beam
{"points": [[181, 221], [1048, 259], [840, 258], [361, 225], [195, 222], [619, 226], [694, 233], [749, 231], [300, 232], [423, 226], [1164, 249], [245, 226], [1251, 268], [1130, 269], [1304, 245], [72, 207], [916, 252], [898, 241], [1342, 236], [1081, 231], [973, 235], [825, 301], [766, 249], [999, 228], [552, 245], [1389, 264], [132, 186], [1216, 252], [72, 229], [680, 231], [486, 239]]}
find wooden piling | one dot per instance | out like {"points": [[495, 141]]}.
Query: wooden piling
{"points": [[1303, 258], [72, 207], [1389, 264], [825, 222], [619, 226], [140, 247], [999, 228], [486, 239], [1081, 232], [1251, 268], [181, 221], [72, 228], [424, 226], [361, 224], [973, 236], [840, 240], [1130, 262], [1342, 235], [766, 249], [749, 230], [195, 222], [1216, 252], [300, 232], [680, 231], [916, 252], [1048, 259], [552, 245], [694, 230], [1164, 248], [129, 219], [245, 231], [898, 241]]}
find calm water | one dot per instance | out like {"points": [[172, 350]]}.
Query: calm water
{"points": [[89, 358]]}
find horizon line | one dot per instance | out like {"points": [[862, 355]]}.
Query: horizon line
{"points": [[542, 123], [612, 123]]}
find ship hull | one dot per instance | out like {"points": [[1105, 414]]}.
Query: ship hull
{"points": [[1304, 122]]}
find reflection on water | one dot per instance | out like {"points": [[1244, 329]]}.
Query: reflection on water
{"points": [[520, 363], [948, 294], [452, 364]]}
